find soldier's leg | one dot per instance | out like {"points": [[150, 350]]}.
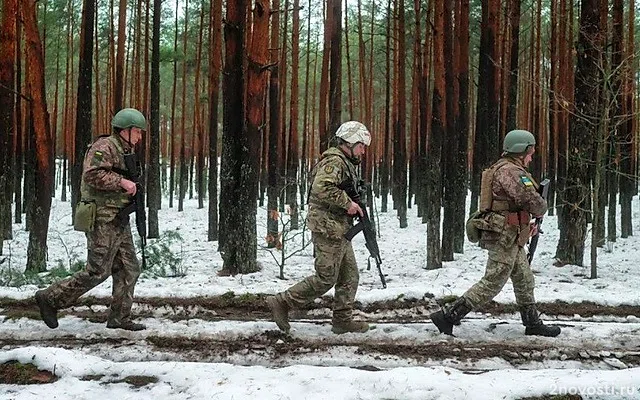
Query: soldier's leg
{"points": [[523, 280], [329, 255], [126, 270], [346, 286], [102, 246], [523, 286], [498, 270]]}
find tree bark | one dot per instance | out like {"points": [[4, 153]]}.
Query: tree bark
{"points": [[400, 125], [8, 54], [487, 116], [434, 174], [274, 123], [240, 155], [293, 153], [215, 66], [118, 84], [37, 248], [154, 191], [84, 100], [573, 228], [335, 70]]}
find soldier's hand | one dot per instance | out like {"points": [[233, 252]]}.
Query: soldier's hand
{"points": [[354, 209], [128, 186], [533, 229]]}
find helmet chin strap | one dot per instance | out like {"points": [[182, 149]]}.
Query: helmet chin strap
{"points": [[128, 140]]}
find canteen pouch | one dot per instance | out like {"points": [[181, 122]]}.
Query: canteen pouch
{"points": [[85, 217]]}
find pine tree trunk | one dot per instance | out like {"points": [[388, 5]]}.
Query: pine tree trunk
{"points": [[461, 126], [240, 155], [118, 85], [83, 110], [19, 138], [173, 135], [324, 134], [573, 228], [154, 191], [450, 147], [8, 54], [400, 124], [335, 69], [183, 177], [486, 148], [274, 123], [434, 174], [198, 134], [37, 248], [292, 153], [215, 66], [386, 153]]}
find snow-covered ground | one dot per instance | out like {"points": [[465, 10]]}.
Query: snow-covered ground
{"points": [[403, 253]]}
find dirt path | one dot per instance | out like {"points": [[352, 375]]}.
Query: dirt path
{"points": [[392, 344]]}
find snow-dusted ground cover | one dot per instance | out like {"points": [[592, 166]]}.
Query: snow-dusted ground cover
{"points": [[329, 375]]}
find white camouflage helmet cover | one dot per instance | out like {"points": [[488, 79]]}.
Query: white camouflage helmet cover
{"points": [[354, 132]]}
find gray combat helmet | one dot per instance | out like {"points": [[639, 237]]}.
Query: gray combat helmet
{"points": [[128, 118], [517, 141]]}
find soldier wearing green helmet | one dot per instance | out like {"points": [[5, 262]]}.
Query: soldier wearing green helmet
{"points": [[105, 191], [508, 200]]}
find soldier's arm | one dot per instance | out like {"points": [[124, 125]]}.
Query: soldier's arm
{"points": [[98, 164], [325, 185], [518, 185]]}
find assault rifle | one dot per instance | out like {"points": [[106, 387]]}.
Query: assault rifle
{"points": [[356, 193], [134, 174], [533, 243]]}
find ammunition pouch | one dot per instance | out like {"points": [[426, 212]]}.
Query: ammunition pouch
{"points": [[85, 217]]}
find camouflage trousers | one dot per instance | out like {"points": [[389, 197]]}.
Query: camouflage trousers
{"points": [[110, 252], [504, 263], [335, 265]]}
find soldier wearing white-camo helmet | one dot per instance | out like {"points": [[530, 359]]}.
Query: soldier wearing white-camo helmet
{"points": [[330, 215]]}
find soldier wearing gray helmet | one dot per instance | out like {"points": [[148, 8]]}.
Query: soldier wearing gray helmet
{"points": [[330, 215], [110, 250], [508, 199]]}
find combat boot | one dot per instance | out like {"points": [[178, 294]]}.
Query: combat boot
{"points": [[280, 311], [533, 324], [48, 313], [340, 327], [450, 316], [126, 325]]}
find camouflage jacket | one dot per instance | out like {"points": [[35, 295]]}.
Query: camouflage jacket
{"points": [[514, 184], [328, 204], [515, 190], [100, 183]]}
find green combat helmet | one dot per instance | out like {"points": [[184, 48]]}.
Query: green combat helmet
{"points": [[128, 118], [517, 141]]}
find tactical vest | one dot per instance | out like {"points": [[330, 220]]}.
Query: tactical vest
{"points": [[487, 200], [514, 217], [106, 198]]}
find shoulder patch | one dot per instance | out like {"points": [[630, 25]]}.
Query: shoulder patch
{"points": [[96, 160], [328, 169], [526, 181]]}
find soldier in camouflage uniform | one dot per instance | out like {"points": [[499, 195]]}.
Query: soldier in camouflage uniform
{"points": [[508, 199], [330, 215], [109, 245]]}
